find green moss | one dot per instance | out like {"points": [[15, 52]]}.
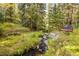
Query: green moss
{"points": [[15, 45]]}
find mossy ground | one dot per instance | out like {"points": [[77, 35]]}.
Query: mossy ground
{"points": [[16, 44], [66, 45]]}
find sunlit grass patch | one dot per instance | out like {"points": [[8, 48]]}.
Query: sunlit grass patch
{"points": [[68, 45], [15, 45]]}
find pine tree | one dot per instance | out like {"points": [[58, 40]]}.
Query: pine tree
{"points": [[55, 18]]}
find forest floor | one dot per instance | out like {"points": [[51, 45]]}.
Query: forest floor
{"points": [[16, 39], [15, 45], [65, 45]]}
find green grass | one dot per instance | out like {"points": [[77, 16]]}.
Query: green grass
{"points": [[70, 45], [7, 27], [73, 45], [15, 45]]}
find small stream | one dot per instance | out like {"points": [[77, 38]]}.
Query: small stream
{"points": [[34, 51], [30, 52]]}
